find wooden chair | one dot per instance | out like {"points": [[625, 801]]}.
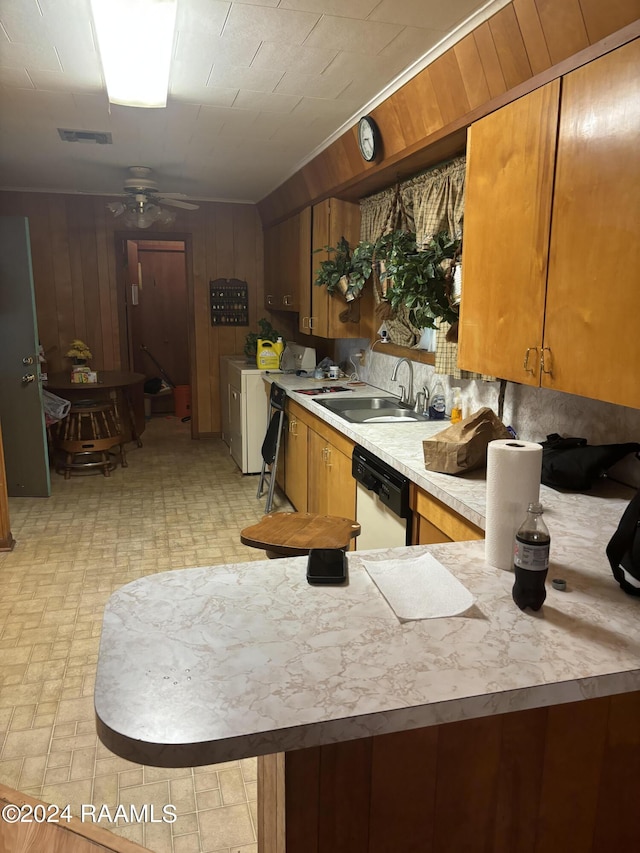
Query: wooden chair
{"points": [[87, 438], [293, 534]]}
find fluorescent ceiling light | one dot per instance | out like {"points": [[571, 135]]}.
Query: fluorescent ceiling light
{"points": [[135, 38]]}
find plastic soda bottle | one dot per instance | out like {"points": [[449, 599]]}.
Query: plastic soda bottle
{"points": [[531, 560]]}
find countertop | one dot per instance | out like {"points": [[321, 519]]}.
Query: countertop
{"points": [[210, 664], [215, 663]]}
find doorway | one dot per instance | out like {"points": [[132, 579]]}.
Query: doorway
{"points": [[157, 316]]}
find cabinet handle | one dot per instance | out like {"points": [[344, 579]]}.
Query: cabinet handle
{"points": [[311, 322], [270, 300], [526, 359], [305, 322], [286, 300], [293, 427], [543, 361], [326, 453]]}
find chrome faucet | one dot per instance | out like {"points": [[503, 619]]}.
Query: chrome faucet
{"points": [[407, 394]]}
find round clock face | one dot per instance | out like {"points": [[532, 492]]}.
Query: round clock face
{"points": [[368, 138]]}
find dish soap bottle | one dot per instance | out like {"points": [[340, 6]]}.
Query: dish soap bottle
{"points": [[456, 406], [437, 405], [531, 560]]}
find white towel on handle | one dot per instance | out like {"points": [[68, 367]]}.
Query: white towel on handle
{"points": [[419, 588]]}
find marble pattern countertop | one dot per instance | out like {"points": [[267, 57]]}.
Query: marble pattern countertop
{"points": [[595, 514], [211, 664], [215, 663]]}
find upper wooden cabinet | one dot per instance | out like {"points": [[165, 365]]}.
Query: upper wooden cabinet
{"points": [[287, 262], [319, 311], [550, 254]]}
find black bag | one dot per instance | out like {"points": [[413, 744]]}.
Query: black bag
{"points": [[623, 550], [571, 463]]}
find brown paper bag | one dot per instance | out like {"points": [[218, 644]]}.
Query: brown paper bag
{"points": [[463, 446]]}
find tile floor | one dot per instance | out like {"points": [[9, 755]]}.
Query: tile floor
{"points": [[180, 503]]}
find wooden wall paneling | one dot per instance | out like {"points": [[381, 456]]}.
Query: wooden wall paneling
{"points": [[106, 286], [598, 16], [617, 827], [200, 364], [522, 749], [87, 236], [510, 47], [489, 58], [77, 307], [563, 27], [465, 802], [59, 291], [418, 98], [302, 800], [449, 88], [475, 84], [344, 797], [403, 771], [575, 744], [532, 35]]}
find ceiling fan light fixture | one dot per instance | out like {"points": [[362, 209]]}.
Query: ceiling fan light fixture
{"points": [[135, 77]]}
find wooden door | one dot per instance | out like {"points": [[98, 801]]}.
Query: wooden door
{"points": [[296, 439], [510, 167], [593, 298], [159, 321], [21, 399]]}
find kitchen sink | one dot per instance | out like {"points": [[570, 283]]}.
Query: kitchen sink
{"points": [[372, 410]]}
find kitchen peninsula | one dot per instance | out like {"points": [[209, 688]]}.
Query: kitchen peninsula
{"points": [[518, 731]]}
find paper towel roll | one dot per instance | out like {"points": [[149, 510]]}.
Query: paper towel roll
{"points": [[513, 482]]}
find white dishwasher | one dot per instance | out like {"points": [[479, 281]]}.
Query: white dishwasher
{"points": [[382, 502]]}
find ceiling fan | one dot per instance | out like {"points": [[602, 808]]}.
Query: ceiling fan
{"points": [[141, 205]]}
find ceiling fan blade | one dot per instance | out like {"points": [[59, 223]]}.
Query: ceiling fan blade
{"points": [[173, 202]]}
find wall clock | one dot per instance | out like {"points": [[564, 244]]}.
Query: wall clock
{"points": [[368, 138]]}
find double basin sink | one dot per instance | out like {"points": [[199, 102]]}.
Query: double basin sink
{"points": [[372, 410]]}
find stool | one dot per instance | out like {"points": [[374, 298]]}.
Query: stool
{"points": [[293, 534], [87, 437]]}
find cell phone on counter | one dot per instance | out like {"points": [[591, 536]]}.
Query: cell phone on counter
{"points": [[327, 566]]}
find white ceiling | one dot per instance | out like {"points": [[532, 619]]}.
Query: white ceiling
{"points": [[257, 88]]}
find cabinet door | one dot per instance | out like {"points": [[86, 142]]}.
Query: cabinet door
{"points": [[510, 168], [296, 463], [235, 424], [593, 292], [435, 522], [331, 220], [331, 487], [287, 254], [224, 400]]}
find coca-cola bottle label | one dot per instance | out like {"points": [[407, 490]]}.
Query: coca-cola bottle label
{"points": [[531, 555]]}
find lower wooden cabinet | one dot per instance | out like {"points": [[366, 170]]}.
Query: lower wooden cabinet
{"points": [[318, 466], [563, 778], [295, 459], [435, 522], [332, 489]]}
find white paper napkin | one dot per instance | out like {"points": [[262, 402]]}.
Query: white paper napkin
{"points": [[419, 588]]}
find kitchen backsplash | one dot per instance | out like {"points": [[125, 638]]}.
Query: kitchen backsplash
{"points": [[533, 413]]}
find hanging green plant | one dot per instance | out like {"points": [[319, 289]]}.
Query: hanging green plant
{"points": [[418, 280], [347, 270]]}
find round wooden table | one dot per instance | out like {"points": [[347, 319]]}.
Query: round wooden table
{"points": [[111, 384]]}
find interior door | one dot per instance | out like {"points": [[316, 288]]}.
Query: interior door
{"points": [[21, 410]]}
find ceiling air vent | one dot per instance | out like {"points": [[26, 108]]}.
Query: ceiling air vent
{"points": [[95, 136]]}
